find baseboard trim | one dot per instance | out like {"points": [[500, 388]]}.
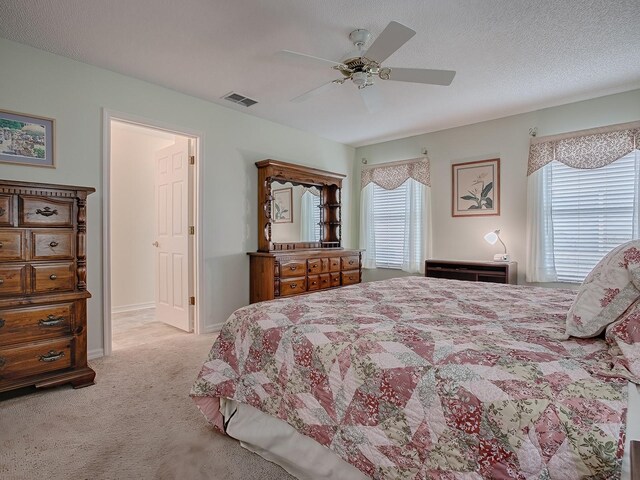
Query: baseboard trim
{"points": [[216, 327], [97, 353], [132, 308]]}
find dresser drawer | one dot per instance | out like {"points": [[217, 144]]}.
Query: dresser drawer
{"points": [[28, 324], [291, 286], [6, 210], [349, 278], [314, 265], [293, 268], [53, 277], [51, 245], [45, 212], [313, 282], [13, 279], [11, 245], [335, 279], [334, 264], [350, 263], [325, 280], [18, 362]]}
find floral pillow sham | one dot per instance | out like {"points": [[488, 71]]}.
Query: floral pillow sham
{"points": [[607, 292], [623, 338]]}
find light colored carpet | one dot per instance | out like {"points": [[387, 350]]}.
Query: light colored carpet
{"points": [[136, 422]]}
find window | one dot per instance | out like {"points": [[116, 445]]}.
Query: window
{"points": [[592, 212], [315, 217], [395, 226]]}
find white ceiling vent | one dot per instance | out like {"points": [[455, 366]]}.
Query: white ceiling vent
{"points": [[239, 99]]}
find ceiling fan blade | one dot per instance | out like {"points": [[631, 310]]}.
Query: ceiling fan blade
{"points": [[316, 91], [371, 97], [391, 39], [308, 59], [422, 75]]}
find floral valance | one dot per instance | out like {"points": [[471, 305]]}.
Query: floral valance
{"points": [[585, 149], [392, 175]]}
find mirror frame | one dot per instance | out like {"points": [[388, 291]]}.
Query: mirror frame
{"points": [[328, 182]]}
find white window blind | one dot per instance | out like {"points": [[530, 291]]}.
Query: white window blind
{"points": [[593, 212], [391, 216], [315, 217]]}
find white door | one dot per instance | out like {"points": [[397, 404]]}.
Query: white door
{"points": [[172, 245]]}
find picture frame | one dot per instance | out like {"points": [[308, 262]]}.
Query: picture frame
{"points": [[282, 208], [475, 188], [27, 139]]}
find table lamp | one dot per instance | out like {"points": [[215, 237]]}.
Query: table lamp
{"points": [[492, 238]]}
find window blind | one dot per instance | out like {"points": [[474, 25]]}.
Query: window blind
{"points": [[391, 216], [315, 217], [592, 212]]}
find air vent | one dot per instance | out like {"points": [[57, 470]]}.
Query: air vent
{"points": [[239, 99]]}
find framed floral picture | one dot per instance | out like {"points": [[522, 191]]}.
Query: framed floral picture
{"points": [[282, 211], [26, 139], [476, 188]]}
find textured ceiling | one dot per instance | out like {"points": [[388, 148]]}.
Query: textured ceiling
{"points": [[511, 55]]}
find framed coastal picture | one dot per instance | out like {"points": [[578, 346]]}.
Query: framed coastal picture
{"points": [[26, 139], [282, 210], [476, 188]]}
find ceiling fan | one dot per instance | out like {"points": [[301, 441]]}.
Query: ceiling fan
{"points": [[363, 65]]}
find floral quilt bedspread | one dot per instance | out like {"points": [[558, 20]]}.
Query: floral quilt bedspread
{"points": [[418, 378]]}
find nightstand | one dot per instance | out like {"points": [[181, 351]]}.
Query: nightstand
{"points": [[495, 272]]}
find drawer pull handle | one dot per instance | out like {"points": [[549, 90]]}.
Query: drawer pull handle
{"points": [[0, 244], [1, 281], [351, 262], [54, 244], [2, 322], [293, 285], [2, 212], [47, 212], [293, 267], [51, 356], [3, 362], [53, 276], [51, 321]]}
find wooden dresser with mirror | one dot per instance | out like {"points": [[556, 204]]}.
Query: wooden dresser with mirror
{"points": [[299, 233]]}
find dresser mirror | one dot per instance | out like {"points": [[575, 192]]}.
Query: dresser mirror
{"points": [[298, 207], [295, 212]]}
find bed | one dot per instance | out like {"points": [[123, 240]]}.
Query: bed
{"points": [[417, 378]]}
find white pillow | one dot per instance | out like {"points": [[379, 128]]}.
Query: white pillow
{"points": [[606, 292]]}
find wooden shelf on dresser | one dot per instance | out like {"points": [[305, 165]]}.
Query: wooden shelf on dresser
{"points": [[43, 289], [494, 272]]}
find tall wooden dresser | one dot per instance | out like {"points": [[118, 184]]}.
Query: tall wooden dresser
{"points": [[43, 289]]}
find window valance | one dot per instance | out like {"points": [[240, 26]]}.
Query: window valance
{"points": [[391, 175], [585, 149]]}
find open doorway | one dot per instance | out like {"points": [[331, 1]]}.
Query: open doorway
{"points": [[151, 259]]}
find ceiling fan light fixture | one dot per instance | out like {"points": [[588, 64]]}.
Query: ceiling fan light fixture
{"points": [[360, 79]]}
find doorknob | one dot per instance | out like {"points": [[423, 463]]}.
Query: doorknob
{"points": [[155, 244]]}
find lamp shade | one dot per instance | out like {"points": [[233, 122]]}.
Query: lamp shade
{"points": [[492, 237]]}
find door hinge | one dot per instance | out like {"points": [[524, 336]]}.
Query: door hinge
{"points": [[192, 300], [192, 230], [192, 160]]}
